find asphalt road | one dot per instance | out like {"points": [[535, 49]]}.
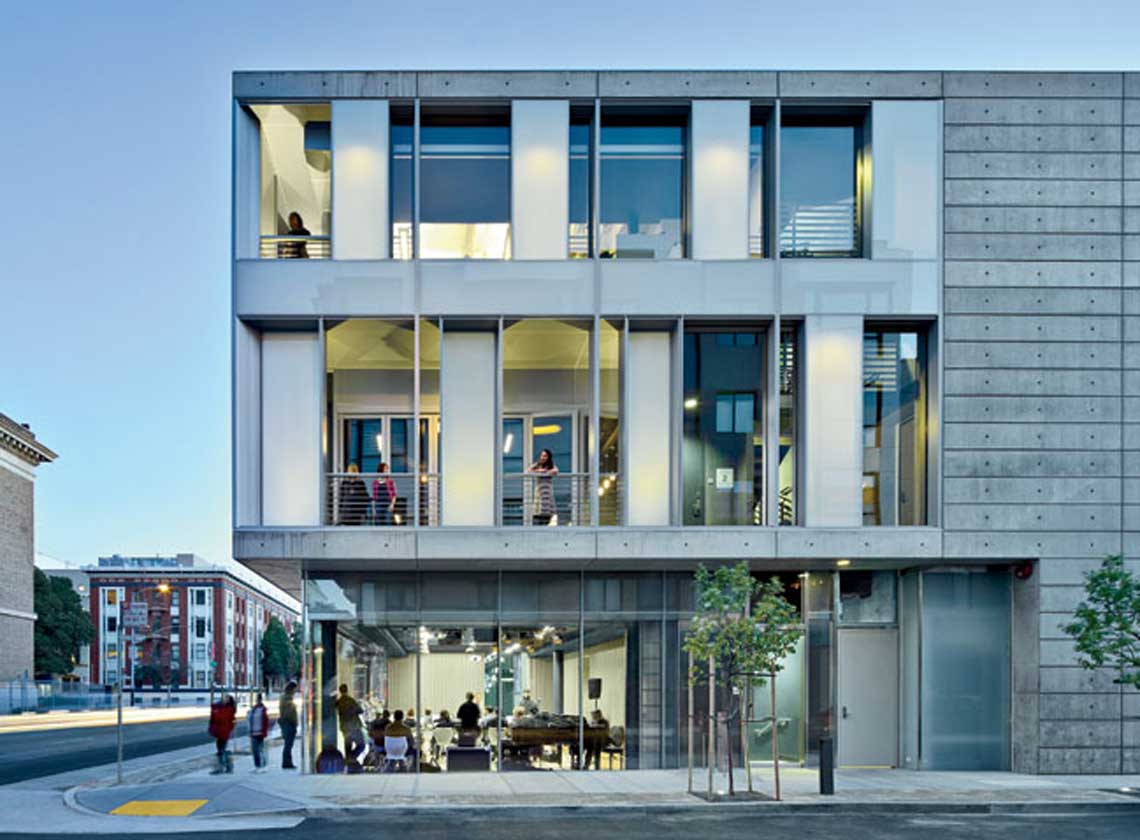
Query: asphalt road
{"points": [[725, 823], [30, 755]]}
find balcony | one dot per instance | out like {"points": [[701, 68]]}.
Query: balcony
{"points": [[295, 248], [367, 500]]}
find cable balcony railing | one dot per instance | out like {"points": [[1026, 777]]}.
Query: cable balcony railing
{"points": [[538, 500], [382, 499], [295, 248]]}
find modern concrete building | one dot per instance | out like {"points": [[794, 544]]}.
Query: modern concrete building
{"points": [[870, 331], [179, 620], [20, 454]]}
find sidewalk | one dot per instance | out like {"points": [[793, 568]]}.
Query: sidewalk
{"points": [[279, 792]]}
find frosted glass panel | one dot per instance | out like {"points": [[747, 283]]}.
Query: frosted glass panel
{"points": [[907, 177], [965, 671], [789, 712]]}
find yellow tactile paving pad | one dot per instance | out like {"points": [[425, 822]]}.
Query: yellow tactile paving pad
{"points": [[159, 807]]}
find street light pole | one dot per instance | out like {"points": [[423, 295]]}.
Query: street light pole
{"points": [[119, 727]]}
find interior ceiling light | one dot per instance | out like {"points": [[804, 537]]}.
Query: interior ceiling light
{"points": [[379, 443], [842, 563], [508, 441], [549, 429], [691, 403]]}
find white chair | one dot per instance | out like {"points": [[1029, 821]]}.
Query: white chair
{"points": [[395, 752], [441, 738]]}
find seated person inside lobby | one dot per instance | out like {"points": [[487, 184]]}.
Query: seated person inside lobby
{"points": [[594, 746], [468, 714], [398, 729]]}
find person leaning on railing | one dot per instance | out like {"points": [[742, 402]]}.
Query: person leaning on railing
{"points": [[544, 470], [354, 499], [384, 496], [294, 249]]}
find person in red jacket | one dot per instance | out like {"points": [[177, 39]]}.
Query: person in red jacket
{"points": [[221, 727], [258, 731]]}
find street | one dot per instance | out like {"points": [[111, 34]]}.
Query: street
{"points": [[30, 755], [724, 823]]}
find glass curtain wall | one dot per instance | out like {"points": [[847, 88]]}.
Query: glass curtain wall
{"points": [[894, 427], [820, 184], [757, 184], [401, 177], [611, 333], [581, 180], [370, 431], [465, 183], [791, 691], [788, 502], [643, 182], [296, 180], [722, 450], [547, 399]]}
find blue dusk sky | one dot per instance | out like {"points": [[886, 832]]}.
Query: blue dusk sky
{"points": [[114, 289]]}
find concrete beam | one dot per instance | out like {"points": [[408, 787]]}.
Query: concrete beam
{"points": [[702, 84], [304, 84], [1088, 112], [872, 85], [529, 84], [1014, 84]]}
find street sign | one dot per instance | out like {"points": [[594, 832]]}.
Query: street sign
{"points": [[134, 616]]}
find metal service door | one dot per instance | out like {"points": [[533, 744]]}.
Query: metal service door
{"points": [[868, 697]]}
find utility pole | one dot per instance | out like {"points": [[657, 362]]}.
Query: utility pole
{"points": [[119, 725]]}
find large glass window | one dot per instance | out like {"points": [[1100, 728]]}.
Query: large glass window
{"points": [[643, 183], [401, 179], [787, 505], [820, 178], [581, 179], [757, 184], [296, 180], [722, 451], [609, 421], [465, 190], [546, 423], [894, 427]]}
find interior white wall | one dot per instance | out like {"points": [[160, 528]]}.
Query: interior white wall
{"points": [[719, 217], [247, 184], [360, 179], [833, 421], [247, 425], [906, 179], [647, 477], [291, 366], [468, 433], [540, 178]]}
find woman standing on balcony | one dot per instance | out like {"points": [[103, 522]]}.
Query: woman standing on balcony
{"points": [[544, 470], [384, 496], [354, 498]]}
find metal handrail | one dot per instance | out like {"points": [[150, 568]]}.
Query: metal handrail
{"points": [[287, 247], [535, 499], [365, 500]]}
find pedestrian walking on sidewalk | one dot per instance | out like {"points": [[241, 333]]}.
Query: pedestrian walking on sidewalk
{"points": [[222, 715], [287, 720], [258, 720]]}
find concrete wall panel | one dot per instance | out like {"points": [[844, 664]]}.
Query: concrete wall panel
{"points": [[1015, 84], [992, 273], [1072, 383], [1041, 435], [877, 85], [1038, 328], [1033, 193], [1031, 409], [1024, 111], [1033, 491], [1044, 354], [1020, 517], [1033, 165], [1033, 220], [1032, 246], [1031, 464], [1025, 138], [685, 83]]}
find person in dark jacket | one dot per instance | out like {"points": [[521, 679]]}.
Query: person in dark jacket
{"points": [[468, 713], [287, 720], [221, 727], [354, 498], [295, 248]]}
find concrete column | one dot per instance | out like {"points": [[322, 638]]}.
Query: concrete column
{"points": [[247, 184], [906, 177], [719, 217], [648, 419], [467, 386], [247, 425], [360, 210], [833, 421], [540, 178], [290, 428]]}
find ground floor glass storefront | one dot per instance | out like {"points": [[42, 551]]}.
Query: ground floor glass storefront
{"points": [[585, 670]]}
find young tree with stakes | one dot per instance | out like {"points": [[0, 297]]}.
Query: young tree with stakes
{"points": [[744, 628], [1106, 625]]}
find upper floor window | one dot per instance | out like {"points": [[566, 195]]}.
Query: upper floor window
{"points": [[581, 180], [821, 184], [642, 182], [296, 180], [401, 176], [465, 183], [757, 183], [894, 427]]}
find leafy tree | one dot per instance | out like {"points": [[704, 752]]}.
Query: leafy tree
{"points": [[62, 625], [1106, 625], [746, 628], [276, 651], [148, 673], [297, 643]]}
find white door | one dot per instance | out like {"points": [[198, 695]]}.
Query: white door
{"points": [[868, 732]]}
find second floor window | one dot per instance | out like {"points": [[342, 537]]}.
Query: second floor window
{"points": [[465, 189], [820, 185], [642, 183]]}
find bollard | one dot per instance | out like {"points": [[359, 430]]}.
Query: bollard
{"points": [[826, 766]]}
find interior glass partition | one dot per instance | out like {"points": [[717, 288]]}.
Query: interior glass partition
{"points": [[296, 180], [401, 178], [894, 427], [757, 185], [610, 366], [722, 450], [820, 622], [643, 182], [581, 180], [465, 182], [788, 502], [791, 691], [547, 399]]}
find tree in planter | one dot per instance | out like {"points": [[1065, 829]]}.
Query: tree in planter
{"points": [[1106, 625], [62, 625], [276, 651], [745, 629]]}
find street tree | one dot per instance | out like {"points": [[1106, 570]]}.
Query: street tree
{"points": [[1106, 625], [62, 625], [744, 629], [276, 651]]}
